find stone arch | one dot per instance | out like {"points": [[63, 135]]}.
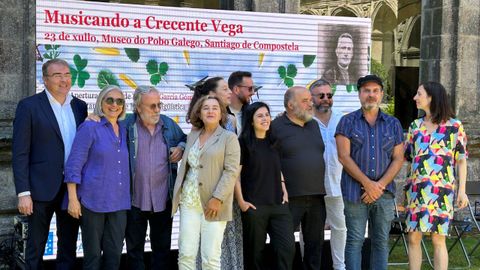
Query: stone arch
{"points": [[345, 11], [384, 4], [384, 23], [411, 35], [310, 11]]}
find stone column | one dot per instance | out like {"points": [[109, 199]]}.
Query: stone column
{"points": [[450, 53], [17, 80]]}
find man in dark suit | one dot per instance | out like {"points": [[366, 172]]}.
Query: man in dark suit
{"points": [[43, 132]]}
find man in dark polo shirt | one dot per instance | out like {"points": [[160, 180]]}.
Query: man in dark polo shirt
{"points": [[370, 148], [301, 149]]}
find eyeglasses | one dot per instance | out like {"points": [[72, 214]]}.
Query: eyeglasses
{"points": [[118, 101], [322, 95], [250, 88], [59, 76], [155, 106]]}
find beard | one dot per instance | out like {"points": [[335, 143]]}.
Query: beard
{"points": [[303, 115], [367, 106], [244, 100], [323, 108], [150, 119]]}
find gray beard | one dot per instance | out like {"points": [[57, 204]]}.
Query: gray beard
{"points": [[323, 108], [303, 115]]}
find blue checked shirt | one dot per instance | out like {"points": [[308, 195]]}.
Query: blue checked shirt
{"points": [[370, 147]]}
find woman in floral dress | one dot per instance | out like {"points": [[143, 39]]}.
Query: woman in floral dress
{"points": [[436, 148]]}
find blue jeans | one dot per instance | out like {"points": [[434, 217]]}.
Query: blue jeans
{"points": [[379, 216]]}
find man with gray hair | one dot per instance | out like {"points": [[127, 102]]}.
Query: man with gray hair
{"points": [[339, 73], [301, 148], [327, 120], [156, 144]]}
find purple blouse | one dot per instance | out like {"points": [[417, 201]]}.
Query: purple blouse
{"points": [[98, 164]]}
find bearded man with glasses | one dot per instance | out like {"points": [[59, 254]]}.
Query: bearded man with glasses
{"points": [[155, 144], [327, 120], [241, 84], [43, 131]]}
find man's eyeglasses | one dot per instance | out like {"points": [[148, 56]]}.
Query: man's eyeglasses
{"points": [[250, 88], [59, 76], [322, 95], [154, 106], [118, 101]]}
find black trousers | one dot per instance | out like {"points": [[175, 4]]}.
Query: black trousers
{"points": [[309, 212], [38, 229], [275, 220], [160, 237], [102, 232]]}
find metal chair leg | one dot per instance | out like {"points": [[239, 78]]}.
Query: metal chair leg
{"points": [[425, 251]]}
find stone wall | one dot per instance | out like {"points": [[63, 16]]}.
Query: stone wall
{"points": [[17, 80], [450, 50]]}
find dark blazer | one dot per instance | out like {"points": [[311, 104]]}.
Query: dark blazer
{"points": [[38, 151]]}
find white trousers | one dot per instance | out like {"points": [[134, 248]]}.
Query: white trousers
{"points": [[336, 220], [194, 229]]}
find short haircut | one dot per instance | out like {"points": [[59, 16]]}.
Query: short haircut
{"points": [[345, 35], [57, 61], [139, 92], [440, 108], [318, 83], [289, 96], [101, 96], [236, 78], [195, 115]]}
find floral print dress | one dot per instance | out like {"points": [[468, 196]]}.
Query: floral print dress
{"points": [[430, 186]]}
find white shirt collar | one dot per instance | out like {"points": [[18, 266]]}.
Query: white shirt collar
{"points": [[52, 99]]}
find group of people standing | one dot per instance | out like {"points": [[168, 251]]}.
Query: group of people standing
{"points": [[242, 176]]}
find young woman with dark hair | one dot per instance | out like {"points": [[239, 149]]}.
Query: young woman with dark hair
{"points": [[262, 195], [436, 147], [215, 86]]}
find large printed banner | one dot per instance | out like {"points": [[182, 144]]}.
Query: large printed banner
{"points": [[172, 48]]}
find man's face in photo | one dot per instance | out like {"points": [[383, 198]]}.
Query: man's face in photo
{"points": [[344, 51]]}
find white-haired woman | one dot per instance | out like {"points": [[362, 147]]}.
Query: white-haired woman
{"points": [[97, 177]]}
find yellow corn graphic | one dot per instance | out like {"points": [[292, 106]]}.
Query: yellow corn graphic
{"points": [[186, 55], [260, 59], [127, 80], [176, 119], [107, 51]]}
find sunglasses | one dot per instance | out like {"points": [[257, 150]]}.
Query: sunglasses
{"points": [[322, 95], [118, 101], [250, 88], [154, 106]]}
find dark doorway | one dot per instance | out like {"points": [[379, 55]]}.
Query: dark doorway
{"points": [[406, 84]]}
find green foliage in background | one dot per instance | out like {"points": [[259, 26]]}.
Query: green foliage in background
{"points": [[378, 69], [388, 105]]}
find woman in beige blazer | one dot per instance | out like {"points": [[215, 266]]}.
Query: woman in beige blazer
{"points": [[204, 186]]}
